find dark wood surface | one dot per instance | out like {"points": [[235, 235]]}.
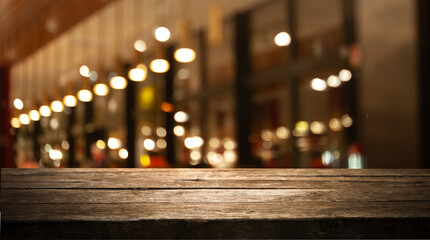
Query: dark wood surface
{"points": [[215, 203]]}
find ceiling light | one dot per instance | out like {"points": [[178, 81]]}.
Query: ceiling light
{"points": [[118, 82], [70, 101], [159, 65]]}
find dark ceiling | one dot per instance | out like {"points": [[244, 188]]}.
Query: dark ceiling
{"points": [[27, 25]]}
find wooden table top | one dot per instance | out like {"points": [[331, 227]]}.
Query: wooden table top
{"points": [[215, 203]]}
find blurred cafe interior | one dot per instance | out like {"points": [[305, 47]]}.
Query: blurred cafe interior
{"points": [[215, 83]]}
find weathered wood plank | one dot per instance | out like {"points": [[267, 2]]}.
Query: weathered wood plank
{"points": [[212, 211], [214, 203], [205, 178], [185, 196]]}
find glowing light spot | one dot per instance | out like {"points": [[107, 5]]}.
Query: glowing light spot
{"points": [[149, 144], [161, 143], [54, 123], [101, 144], [355, 161], [45, 111], [114, 143], [193, 142], [94, 76], [70, 101], [185, 55], [346, 121], [161, 132], [85, 95], [318, 84], [145, 160], [24, 119], [179, 131], [214, 158], [118, 82], [84, 71], [333, 81], [18, 103], [123, 153], [140, 46], [282, 39], [301, 129], [138, 74], [65, 145], [229, 144], [181, 117], [47, 148], [335, 124], [162, 34], [101, 89], [167, 107], [57, 106], [159, 65], [55, 154], [317, 127], [195, 155], [183, 74], [146, 130], [266, 135], [230, 156], [345, 75], [34, 115], [214, 142], [282, 132], [14, 122], [327, 158]]}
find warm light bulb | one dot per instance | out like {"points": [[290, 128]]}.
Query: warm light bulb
{"points": [[123, 153], [149, 144], [114, 143], [34, 115], [333, 81], [181, 117], [318, 84], [45, 111], [18, 103], [57, 106], [162, 34], [179, 131], [138, 74], [101, 89], [70, 101], [118, 82], [282, 39], [14, 122], [185, 55], [24, 119], [345, 75], [85, 95], [140, 46], [159, 66], [84, 71]]}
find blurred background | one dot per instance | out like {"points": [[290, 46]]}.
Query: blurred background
{"points": [[215, 83]]}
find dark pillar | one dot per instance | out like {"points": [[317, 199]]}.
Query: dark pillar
{"points": [[350, 93], [71, 139], [6, 140], [170, 137], [424, 78], [293, 89], [130, 120], [203, 86], [243, 108], [88, 135]]}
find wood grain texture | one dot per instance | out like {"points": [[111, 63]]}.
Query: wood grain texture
{"points": [[215, 203]]}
